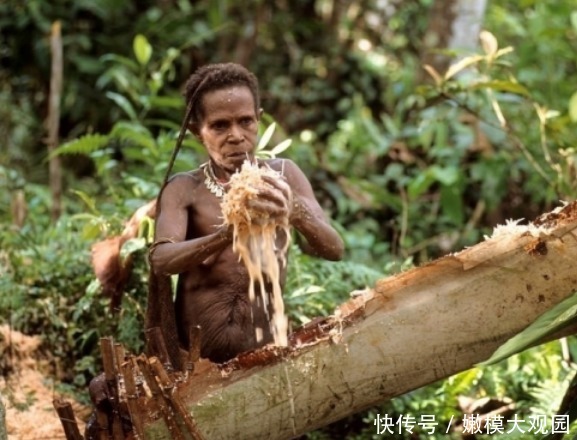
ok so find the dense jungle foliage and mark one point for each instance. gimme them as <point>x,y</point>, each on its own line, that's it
<point>409,165</point>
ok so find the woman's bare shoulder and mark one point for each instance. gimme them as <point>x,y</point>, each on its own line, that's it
<point>282,165</point>
<point>182,186</point>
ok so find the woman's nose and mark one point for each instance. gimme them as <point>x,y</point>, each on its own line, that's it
<point>235,134</point>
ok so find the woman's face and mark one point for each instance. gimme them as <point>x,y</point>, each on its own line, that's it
<point>229,127</point>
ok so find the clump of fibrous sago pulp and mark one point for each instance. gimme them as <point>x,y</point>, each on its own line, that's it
<point>254,239</point>
<point>542,226</point>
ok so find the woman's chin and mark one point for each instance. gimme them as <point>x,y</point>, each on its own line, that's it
<point>237,161</point>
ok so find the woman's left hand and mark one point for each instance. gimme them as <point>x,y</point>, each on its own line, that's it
<point>274,198</point>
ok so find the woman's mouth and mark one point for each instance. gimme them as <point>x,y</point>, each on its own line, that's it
<point>238,155</point>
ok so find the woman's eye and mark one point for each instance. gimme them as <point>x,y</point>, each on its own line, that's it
<point>219,126</point>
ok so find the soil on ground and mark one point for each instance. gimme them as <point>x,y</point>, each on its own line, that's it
<point>28,388</point>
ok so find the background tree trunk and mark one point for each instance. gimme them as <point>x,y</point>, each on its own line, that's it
<point>408,331</point>
<point>53,120</point>
<point>454,26</point>
<point>467,24</point>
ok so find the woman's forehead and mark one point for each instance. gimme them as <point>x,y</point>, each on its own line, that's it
<point>228,99</point>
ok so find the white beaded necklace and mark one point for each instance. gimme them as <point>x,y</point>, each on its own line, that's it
<point>210,180</point>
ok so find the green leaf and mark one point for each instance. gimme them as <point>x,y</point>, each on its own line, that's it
<point>420,184</point>
<point>278,149</point>
<point>502,86</point>
<point>560,316</point>
<point>574,20</point>
<point>118,59</point>
<point>551,114</point>
<point>265,138</point>
<point>164,123</point>
<point>142,49</point>
<point>568,406</point>
<point>504,51</point>
<point>137,134</point>
<point>573,107</point>
<point>434,74</point>
<point>489,43</point>
<point>461,65</point>
<point>307,290</point>
<point>146,229</point>
<point>91,231</point>
<point>123,103</point>
<point>463,382</point>
<point>83,145</point>
<point>131,246</point>
<point>446,175</point>
<point>167,101</point>
<point>89,201</point>
<point>452,203</point>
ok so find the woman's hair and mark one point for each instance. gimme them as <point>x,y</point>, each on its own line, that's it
<point>217,77</point>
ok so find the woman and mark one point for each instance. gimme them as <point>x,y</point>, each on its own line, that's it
<point>212,290</point>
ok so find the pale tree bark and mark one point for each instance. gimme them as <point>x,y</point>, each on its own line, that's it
<point>454,26</point>
<point>467,24</point>
<point>18,207</point>
<point>409,330</point>
<point>53,120</point>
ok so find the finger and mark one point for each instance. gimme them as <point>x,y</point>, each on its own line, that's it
<point>266,207</point>
<point>280,183</point>
<point>273,195</point>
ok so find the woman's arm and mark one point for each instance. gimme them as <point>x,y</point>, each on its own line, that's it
<point>171,253</point>
<point>309,219</point>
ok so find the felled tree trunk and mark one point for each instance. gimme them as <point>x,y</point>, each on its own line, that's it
<point>409,330</point>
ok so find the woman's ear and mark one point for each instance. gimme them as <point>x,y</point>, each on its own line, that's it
<point>259,113</point>
<point>193,128</point>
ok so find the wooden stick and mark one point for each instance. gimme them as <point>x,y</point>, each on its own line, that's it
<point>111,375</point>
<point>103,424</point>
<point>67,418</point>
<point>132,397</point>
<point>193,348</point>
<point>119,354</point>
<point>168,388</point>
<point>120,359</point>
<point>155,341</point>
<point>158,398</point>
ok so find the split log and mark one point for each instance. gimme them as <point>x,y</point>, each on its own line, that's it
<point>133,399</point>
<point>409,330</point>
<point>110,362</point>
<point>67,418</point>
